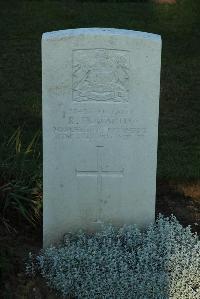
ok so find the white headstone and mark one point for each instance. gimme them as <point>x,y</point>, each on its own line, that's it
<point>100,124</point>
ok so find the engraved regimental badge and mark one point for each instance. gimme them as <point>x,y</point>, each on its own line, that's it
<point>100,75</point>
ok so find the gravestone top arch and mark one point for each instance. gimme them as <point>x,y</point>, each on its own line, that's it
<point>99,31</point>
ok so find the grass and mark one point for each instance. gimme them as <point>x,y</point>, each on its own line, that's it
<point>22,24</point>
<point>20,181</point>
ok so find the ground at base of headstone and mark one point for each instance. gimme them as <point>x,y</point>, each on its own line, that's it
<point>181,200</point>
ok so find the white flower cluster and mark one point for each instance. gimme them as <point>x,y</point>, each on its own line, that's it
<point>161,262</point>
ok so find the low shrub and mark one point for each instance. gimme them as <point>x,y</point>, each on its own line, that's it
<point>162,261</point>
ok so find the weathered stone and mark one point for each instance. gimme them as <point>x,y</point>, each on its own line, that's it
<point>100,123</point>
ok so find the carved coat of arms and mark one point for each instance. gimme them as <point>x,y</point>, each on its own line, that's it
<point>100,75</point>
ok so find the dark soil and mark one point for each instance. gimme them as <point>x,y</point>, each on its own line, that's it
<point>181,200</point>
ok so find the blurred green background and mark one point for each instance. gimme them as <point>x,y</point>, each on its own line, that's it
<point>21,26</point>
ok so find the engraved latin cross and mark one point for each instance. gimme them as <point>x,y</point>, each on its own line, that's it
<point>100,173</point>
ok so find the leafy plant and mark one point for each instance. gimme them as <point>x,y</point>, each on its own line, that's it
<point>20,179</point>
<point>162,261</point>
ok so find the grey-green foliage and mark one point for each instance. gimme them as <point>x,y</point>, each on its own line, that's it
<point>161,262</point>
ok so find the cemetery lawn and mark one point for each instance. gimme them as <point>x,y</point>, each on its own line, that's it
<point>21,26</point>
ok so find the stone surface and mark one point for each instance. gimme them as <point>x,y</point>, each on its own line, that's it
<point>100,124</point>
